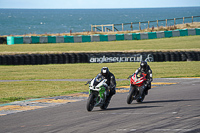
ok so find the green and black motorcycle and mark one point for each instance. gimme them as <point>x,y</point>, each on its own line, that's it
<point>98,92</point>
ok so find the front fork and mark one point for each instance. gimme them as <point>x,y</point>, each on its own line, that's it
<point>139,91</point>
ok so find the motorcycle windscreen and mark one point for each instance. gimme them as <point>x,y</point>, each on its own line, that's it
<point>98,79</point>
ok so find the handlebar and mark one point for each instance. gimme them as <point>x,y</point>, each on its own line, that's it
<point>88,82</point>
<point>129,76</point>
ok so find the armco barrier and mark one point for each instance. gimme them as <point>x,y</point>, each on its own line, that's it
<point>191,32</point>
<point>183,32</point>
<point>63,58</point>
<point>168,33</point>
<point>128,36</point>
<point>160,34</point>
<point>144,36</point>
<point>59,39</point>
<point>119,37</point>
<point>111,37</point>
<point>68,39</point>
<point>136,36</point>
<point>86,39</point>
<point>97,38</point>
<point>197,31</point>
<point>103,37</point>
<point>35,39</point>
<point>152,35</point>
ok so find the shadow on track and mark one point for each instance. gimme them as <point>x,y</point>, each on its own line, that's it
<point>125,108</point>
<point>170,101</point>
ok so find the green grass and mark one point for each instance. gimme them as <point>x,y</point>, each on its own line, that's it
<point>11,91</point>
<point>175,43</point>
<point>38,89</point>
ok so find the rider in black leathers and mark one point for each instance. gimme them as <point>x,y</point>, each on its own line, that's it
<point>111,82</point>
<point>145,68</point>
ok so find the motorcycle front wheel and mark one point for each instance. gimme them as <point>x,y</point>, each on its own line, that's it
<point>90,102</point>
<point>130,96</point>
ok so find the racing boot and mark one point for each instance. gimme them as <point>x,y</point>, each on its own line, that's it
<point>146,92</point>
<point>112,92</point>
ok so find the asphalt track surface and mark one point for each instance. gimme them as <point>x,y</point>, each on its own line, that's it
<point>167,108</point>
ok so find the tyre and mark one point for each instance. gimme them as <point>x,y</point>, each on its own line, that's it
<point>20,60</point>
<point>198,56</point>
<point>90,102</point>
<point>172,56</point>
<point>65,58</point>
<point>14,60</point>
<point>1,60</point>
<point>161,57</point>
<point>54,59</point>
<point>140,97</point>
<point>155,56</point>
<point>60,58</point>
<point>189,56</point>
<point>27,59</point>
<point>178,56</point>
<point>78,58</point>
<point>130,96</point>
<point>105,105</point>
<point>139,100</point>
<point>183,56</point>
<point>32,59</point>
<point>48,58</point>
<point>167,56</point>
<point>72,58</point>
<point>9,59</point>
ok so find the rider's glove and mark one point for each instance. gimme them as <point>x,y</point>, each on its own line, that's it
<point>148,82</point>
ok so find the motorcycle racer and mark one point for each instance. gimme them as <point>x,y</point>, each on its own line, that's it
<point>145,68</point>
<point>110,81</point>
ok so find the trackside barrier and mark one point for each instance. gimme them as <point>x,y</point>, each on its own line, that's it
<point>168,33</point>
<point>197,31</point>
<point>64,58</point>
<point>103,37</point>
<point>97,38</point>
<point>3,40</point>
<point>68,39</point>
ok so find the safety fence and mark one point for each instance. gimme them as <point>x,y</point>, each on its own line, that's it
<point>98,37</point>
<point>65,58</point>
<point>144,24</point>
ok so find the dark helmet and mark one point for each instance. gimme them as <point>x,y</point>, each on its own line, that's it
<point>143,65</point>
<point>105,71</point>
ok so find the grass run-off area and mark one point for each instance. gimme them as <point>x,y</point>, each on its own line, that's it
<point>164,44</point>
<point>19,90</point>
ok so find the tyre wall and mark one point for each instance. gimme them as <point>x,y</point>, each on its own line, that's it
<point>97,38</point>
<point>65,58</point>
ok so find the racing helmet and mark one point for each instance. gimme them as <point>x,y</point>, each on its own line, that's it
<point>105,71</point>
<point>143,65</point>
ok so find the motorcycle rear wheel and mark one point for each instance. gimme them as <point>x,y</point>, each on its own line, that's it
<point>130,97</point>
<point>105,105</point>
<point>90,102</point>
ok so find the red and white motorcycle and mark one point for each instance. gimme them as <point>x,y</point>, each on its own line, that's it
<point>137,87</point>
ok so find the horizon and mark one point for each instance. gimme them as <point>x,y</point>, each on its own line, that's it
<point>95,4</point>
<point>105,8</point>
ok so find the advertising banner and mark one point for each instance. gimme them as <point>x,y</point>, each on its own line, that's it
<point>105,58</point>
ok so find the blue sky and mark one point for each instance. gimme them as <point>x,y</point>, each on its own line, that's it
<point>93,4</point>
